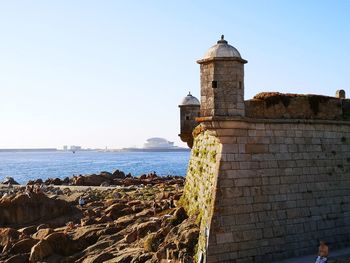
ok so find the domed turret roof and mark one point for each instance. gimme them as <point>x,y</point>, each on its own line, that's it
<point>190,100</point>
<point>222,50</point>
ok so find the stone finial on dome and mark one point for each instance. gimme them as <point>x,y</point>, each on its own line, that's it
<point>222,40</point>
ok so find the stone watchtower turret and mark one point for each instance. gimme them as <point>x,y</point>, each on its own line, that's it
<point>189,111</point>
<point>222,81</point>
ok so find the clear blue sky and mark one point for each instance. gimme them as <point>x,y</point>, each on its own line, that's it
<point>112,73</point>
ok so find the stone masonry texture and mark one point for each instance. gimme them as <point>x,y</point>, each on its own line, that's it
<point>274,189</point>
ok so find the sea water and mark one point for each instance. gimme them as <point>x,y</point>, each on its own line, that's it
<point>24,166</point>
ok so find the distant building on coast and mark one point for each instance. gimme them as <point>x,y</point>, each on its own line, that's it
<point>75,148</point>
<point>156,144</point>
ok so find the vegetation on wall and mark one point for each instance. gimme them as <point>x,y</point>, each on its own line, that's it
<point>200,182</point>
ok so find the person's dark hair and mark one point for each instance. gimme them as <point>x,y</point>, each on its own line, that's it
<point>322,242</point>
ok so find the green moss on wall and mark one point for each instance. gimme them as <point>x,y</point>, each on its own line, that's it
<point>201,181</point>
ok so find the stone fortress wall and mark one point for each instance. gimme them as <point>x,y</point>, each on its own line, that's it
<point>280,179</point>
<point>281,187</point>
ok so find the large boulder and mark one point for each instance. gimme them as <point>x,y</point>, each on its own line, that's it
<point>61,244</point>
<point>119,174</point>
<point>8,235</point>
<point>188,240</point>
<point>89,180</point>
<point>54,181</point>
<point>25,209</point>
<point>107,175</point>
<point>29,230</point>
<point>116,210</point>
<point>42,233</point>
<point>40,251</point>
<point>179,216</point>
<point>23,246</point>
<point>148,227</point>
<point>33,182</point>
<point>9,180</point>
<point>131,237</point>
<point>20,258</point>
<point>102,257</point>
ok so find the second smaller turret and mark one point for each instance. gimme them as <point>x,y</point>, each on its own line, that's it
<point>189,111</point>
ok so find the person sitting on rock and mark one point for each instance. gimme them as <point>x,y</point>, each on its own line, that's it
<point>81,201</point>
<point>322,253</point>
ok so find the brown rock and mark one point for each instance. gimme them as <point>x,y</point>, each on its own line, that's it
<point>145,213</point>
<point>42,226</point>
<point>124,221</point>
<point>9,180</point>
<point>42,233</point>
<point>61,244</point>
<point>89,212</point>
<point>179,216</point>
<point>103,219</point>
<point>148,227</point>
<point>144,257</point>
<point>56,181</point>
<point>8,235</point>
<point>21,258</point>
<point>131,237</point>
<point>150,243</point>
<point>107,175</point>
<point>23,246</point>
<point>89,180</point>
<point>87,221</point>
<point>99,246</point>
<point>134,202</point>
<point>40,251</point>
<point>22,209</point>
<point>119,174</point>
<point>188,239</point>
<point>30,230</point>
<point>138,208</point>
<point>116,210</point>
<point>124,259</point>
<point>98,258</point>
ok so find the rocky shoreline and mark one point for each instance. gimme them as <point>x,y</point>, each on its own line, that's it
<point>133,220</point>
